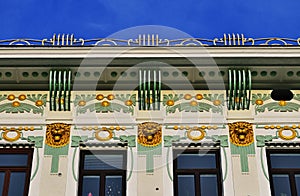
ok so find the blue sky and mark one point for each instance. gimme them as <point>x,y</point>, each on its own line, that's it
<point>100,18</point>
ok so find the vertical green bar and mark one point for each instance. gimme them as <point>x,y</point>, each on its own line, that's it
<point>69,90</point>
<point>230,94</point>
<point>54,90</point>
<point>153,91</point>
<point>234,88</point>
<point>159,89</point>
<point>140,90</point>
<point>149,90</point>
<point>239,90</point>
<point>64,89</point>
<point>249,87</point>
<point>59,92</point>
<point>144,90</point>
<point>50,89</point>
<point>244,90</point>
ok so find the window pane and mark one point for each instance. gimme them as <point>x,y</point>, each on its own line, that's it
<point>196,161</point>
<point>285,160</point>
<point>113,185</point>
<point>2,176</point>
<point>103,162</point>
<point>186,185</point>
<point>208,185</point>
<point>13,160</point>
<point>17,183</point>
<point>297,178</point>
<point>90,185</point>
<point>281,185</point>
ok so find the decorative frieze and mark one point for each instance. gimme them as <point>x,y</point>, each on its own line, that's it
<point>193,103</point>
<point>105,103</point>
<point>13,103</point>
<point>264,102</point>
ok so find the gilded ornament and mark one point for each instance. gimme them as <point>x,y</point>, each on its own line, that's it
<point>11,97</point>
<point>217,102</point>
<point>282,103</point>
<point>82,103</point>
<point>149,134</point>
<point>149,100</point>
<point>193,103</point>
<point>175,127</point>
<point>39,103</point>
<point>58,134</point>
<point>237,100</point>
<point>187,96</point>
<point>22,97</point>
<point>287,137</point>
<point>199,96</point>
<point>105,103</point>
<point>198,137</point>
<point>128,103</point>
<point>118,128</point>
<point>15,104</point>
<point>106,138</point>
<point>99,97</point>
<point>241,133</point>
<point>11,139</point>
<point>259,102</point>
<point>170,102</point>
<point>110,97</point>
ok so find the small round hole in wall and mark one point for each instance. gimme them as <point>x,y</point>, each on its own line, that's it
<point>282,94</point>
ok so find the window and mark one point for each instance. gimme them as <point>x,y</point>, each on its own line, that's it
<point>15,168</point>
<point>102,173</point>
<point>197,173</point>
<point>284,171</point>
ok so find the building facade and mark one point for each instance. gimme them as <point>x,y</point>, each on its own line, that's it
<point>150,116</point>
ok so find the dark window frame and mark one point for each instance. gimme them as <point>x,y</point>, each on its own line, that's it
<point>197,172</point>
<point>8,169</point>
<point>291,172</point>
<point>102,173</point>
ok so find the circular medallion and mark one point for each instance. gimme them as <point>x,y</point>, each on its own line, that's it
<point>103,135</point>
<point>196,134</point>
<point>6,135</point>
<point>287,133</point>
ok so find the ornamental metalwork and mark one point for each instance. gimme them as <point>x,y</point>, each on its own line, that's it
<point>241,133</point>
<point>239,89</point>
<point>149,89</point>
<point>229,39</point>
<point>149,134</point>
<point>60,90</point>
<point>58,134</point>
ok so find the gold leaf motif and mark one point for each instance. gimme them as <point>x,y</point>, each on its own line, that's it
<point>241,133</point>
<point>58,134</point>
<point>149,134</point>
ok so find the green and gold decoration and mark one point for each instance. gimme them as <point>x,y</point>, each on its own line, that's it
<point>21,103</point>
<point>149,142</point>
<point>57,143</point>
<point>264,102</point>
<point>242,142</point>
<point>105,103</point>
<point>193,103</point>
